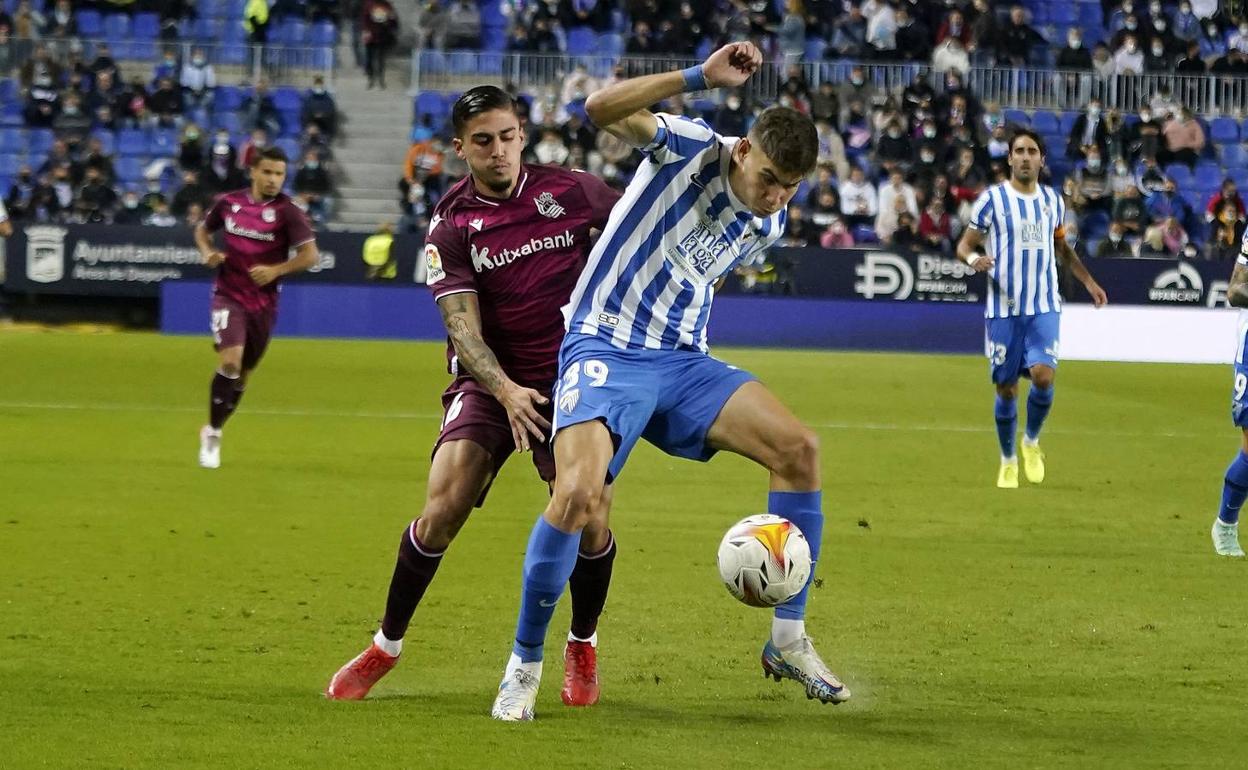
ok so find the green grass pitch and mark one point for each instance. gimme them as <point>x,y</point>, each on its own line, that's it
<point>153,614</point>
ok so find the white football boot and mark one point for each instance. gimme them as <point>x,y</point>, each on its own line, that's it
<point>517,694</point>
<point>209,447</point>
<point>1226,539</point>
<point>799,662</point>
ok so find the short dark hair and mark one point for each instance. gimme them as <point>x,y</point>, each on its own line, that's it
<point>787,137</point>
<point>477,100</point>
<point>269,153</point>
<point>1020,132</point>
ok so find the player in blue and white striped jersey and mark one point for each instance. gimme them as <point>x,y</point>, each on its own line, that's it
<point>634,363</point>
<point>1235,482</point>
<point>1022,223</point>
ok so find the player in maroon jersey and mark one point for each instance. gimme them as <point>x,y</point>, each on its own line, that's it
<point>261,226</point>
<point>505,247</point>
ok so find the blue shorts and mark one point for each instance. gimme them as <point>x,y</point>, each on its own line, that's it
<point>1014,345</point>
<point>669,397</point>
<point>1239,396</point>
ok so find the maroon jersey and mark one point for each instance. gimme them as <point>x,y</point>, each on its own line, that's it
<point>256,233</point>
<point>522,257</point>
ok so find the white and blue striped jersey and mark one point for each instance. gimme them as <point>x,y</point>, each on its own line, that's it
<point>1241,346</point>
<point>679,227</point>
<point>1021,230</point>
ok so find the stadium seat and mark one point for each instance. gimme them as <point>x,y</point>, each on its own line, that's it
<point>290,147</point>
<point>581,41</point>
<point>1233,155</point>
<point>1208,173</point>
<point>1017,117</point>
<point>11,114</point>
<point>206,30</point>
<point>433,61</point>
<point>815,46</point>
<point>117,27</point>
<point>129,170</point>
<point>229,121</point>
<point>430,103</point>
<point>323,33</point>
<point>611,44</point>
<point>1064,13</point>
<point>228,98</point>
<point>1224,130</point>
<point>39,140</point>
<point>286,98</point>
<point>146,26</point>
<point>12,141</point>
<point>1197,199</point>
<point>164,141</point>
<point>493,39</point>
<point>1240,175</point>
<point>10,164</point>
<point>1045,122</point>
<point>131,141</point>
<point>864,234</point>
<point>232,53</point>
<point>90,23</point>
<point>1180,174</point>
<point>8,90</point>
<point>108,140</point>
<point>1067,121</point>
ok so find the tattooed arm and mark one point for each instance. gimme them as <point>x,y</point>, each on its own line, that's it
<point>462,316</point>
<point>1080,271</point>
<point>1237,292</point>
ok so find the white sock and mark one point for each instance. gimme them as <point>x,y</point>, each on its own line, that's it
<point>514,662</point>
<point>785,631</point>
<point>1005,459</point>
<point>1030,441</point>
<point>593,639</point>
<point>391,647</point>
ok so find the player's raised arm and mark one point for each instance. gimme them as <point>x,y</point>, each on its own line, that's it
<point>461,314</point>
<point>1080,271</point>
<point>623,108</point>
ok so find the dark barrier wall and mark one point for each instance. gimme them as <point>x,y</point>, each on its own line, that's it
<point>132,261</point>
<point>391,312</point>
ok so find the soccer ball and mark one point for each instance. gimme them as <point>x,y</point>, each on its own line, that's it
<point>764,560</point>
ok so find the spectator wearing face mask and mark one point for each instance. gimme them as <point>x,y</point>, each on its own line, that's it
<point>1088,130</point>
<point>319,108</point>
<point>1129,59</point>
<point>1017,38</point>
<point>1227,233</point>
<point>1239,38</point>
<point>730,118</point>
<point>1115,244</point>
<point>1184,137</point>
<point>1157,59</point>
<point>1074,56</point>
<point>859,202</point>
<point>1212,42</point>
<point>1186,27</point>
<point>198,81</point>
<point>129,213</point>
<point>1144,138</point>
<point>1228,193</point>
<point>1092,186</point>
<point>895,196</point>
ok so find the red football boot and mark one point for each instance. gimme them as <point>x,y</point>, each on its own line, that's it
<point>580,674</point>
<point>354,680</point>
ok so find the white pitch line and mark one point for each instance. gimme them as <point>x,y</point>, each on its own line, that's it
<point>363,415</point>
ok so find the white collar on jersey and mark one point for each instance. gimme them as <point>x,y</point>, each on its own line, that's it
<point>524,178</point>
<point>726,146</point>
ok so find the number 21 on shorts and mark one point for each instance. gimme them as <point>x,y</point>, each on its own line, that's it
<point>220,320</point>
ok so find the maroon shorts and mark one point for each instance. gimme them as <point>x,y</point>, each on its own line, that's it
<point>232,327</point>
<point>471,412</point>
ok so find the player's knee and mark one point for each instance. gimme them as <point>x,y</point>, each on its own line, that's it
<point>799,456</point>
<point>575,502</point>
<point>1008,392</point>
<point>1042,377</point>
<point>231,369</point>
<point>442,518</point>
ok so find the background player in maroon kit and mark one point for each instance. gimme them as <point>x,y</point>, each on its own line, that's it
<point>261,226</point>
<point>504,249</point>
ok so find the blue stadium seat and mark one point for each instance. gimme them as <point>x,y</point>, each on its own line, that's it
<point>108,140</point>
<point>433,61</point>
<point>1045,122</point>
<point>1224,130</point>
<point>286,98</point>
<point>117,26</point>
<point>430,103</point>
<point>206,30</point>
<point>581,41</point>
<point>1064,13</point>
<point>229,121</point>
<point>129,169</point>
<point>8,90</point>
<point>1207,170</point>
<point>1017,116</point>
<point>39,140</point>
<point>143,50</point>
<point>164,141</point>
<point>323,33</point>
<point>1181,174</point>
<point>11,114</point>
<point>864,234</point>
<point>233,32</point>
<point>1197,199</point>
<point>228,98</point>
<point>1067,122</point>
<point>10,164</point>
<point>493,39</point>
<point>321,57</point>
<point>1233,155</point>
<point>611,44</point>
<point>1240,175</point>
<point>211,9</point>
<point>232,53</point>
<point>131,141</point>
<point>815,46</point>
<point>1089,16</point>
<point>146,26</point>
<point>90,23</point>
<point>290,147</point>
<point>12,140</point>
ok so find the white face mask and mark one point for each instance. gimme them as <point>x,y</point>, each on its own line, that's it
<point>927,157</point>
<point>1074,42</point>
<point>1115,237</point>
<point>1094,163</point>
<point>1130,47</point>
<point>930,133</point>
<point>1158,50</point>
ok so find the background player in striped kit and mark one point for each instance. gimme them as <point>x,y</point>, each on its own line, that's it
<point>1022,223</point>
<point>1235,483</point>
<point>635,363</point>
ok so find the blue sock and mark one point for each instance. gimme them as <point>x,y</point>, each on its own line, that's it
<point>805,509</point>
<point>1039,401</point>
<point>1006,412</point>
<point>548,563</point>
<point>1234,489</point>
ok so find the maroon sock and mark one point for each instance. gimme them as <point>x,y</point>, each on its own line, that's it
<point>588,585</point>
<point>224,399</point>
<point>413,571</point>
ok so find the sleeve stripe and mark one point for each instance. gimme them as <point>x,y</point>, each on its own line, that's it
<point>300,243</point>
<point>437,297</point>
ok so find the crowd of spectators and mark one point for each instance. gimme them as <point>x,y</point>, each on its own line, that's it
<point>83,103</point>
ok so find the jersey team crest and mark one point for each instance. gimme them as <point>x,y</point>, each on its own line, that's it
<point>268,215</point>
<point>547,206</point>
